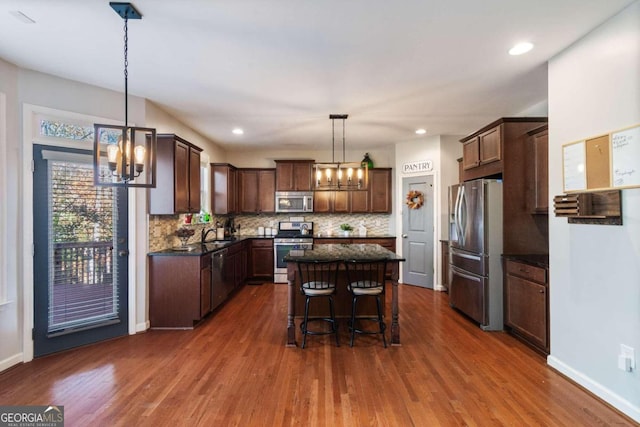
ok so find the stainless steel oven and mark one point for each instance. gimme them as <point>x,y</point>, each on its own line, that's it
<point>291,237</point>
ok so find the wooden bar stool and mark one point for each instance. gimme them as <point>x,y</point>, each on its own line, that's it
<point>366,279</point>
<point>318,280</point>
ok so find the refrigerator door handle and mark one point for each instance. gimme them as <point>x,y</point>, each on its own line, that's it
<point>467,256</point>
<point>456,214</point>
<point>466,276</point>
<point>461,221</point>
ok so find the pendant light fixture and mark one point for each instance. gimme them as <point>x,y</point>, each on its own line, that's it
<point>339,175</point>
<point>124,156</point>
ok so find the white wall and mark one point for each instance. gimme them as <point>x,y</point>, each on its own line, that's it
<point>594,88</point>
<point>11,309</point>
<point>443,152</point>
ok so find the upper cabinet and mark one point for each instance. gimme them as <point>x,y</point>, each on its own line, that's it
<point>224,188</point>
<point>257,190</point>
<point>379,188</point>
<point>376,199</point>
<point>538,176</point>
<point>294,175</point>
<point>483,152</point>
<point>178,177</point>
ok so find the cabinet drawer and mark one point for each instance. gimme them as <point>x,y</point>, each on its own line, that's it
<point>529,272</point>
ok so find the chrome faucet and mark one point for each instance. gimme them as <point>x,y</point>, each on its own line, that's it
<point>204,233</point>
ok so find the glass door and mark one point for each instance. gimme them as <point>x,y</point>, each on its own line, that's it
<point>80,253</point>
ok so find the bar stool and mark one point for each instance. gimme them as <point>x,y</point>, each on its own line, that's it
<point>318,280</point>
<point>366,279</point>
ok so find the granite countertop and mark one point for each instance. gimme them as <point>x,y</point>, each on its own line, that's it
<point>540,260</point>
<point>198,248</point>
<point>343,252</point>
<point>355,236</point>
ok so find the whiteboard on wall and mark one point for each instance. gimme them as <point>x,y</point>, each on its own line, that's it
<point>574,166</point>
<point>625,157</point>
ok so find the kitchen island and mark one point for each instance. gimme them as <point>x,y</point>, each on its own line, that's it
<point>340,252</point>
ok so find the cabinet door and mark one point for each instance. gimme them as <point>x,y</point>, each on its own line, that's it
<point>490,147</point>
<point>540,199</point>
<point>205,285</point>
<point>341,202</point>
<point>302,176</point>
<point>261,258</point>
<point>380,190</point>
<point>359,201</point>
<point>267,190</point>
<point>284,176</point>
<point>194,180</point>
<point>470,154</point>
<point>323,201</point>
<point>181,184</point>
<point>248,183</point>
<point>526,309</point>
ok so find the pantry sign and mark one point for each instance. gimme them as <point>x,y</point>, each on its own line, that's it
<point>416,167</point>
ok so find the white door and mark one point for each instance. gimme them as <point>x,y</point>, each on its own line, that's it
<point>417,231</point>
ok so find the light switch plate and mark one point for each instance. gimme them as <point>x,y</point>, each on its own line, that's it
<point>627,352</point>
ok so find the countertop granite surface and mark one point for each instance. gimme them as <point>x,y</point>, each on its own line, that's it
<point>355,236</point>
<point>541,260</point>
<point>343,252</point>
<point>198,249</point>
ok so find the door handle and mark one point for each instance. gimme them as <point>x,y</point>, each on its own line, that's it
<point>123,252</point>
<point>404,236</point>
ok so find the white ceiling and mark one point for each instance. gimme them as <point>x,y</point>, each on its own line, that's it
<point>278,68</point>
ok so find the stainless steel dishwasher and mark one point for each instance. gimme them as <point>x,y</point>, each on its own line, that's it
<point>219,288</point>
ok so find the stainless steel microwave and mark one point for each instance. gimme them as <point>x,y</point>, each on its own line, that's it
<point>294,201</point>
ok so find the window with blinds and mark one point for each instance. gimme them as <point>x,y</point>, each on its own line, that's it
<point>82,284</point>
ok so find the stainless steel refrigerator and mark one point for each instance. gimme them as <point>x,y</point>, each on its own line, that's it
<point>475,241</point>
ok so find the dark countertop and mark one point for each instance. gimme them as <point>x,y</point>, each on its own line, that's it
<point>343,252</point>
<point>540,260</point>
<point>198,249</point>
<point>356,236</point>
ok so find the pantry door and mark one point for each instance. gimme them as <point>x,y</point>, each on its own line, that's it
<point>80,253</point>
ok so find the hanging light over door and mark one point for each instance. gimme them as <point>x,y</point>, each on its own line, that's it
<point>124,156</point>
<point>339,175</point>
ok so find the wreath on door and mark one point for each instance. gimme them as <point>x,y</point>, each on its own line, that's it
<point>415,199</point>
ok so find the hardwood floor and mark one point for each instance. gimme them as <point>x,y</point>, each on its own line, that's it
<point>234,369</point>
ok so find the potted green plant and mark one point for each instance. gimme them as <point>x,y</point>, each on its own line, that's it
<point>346,229</point>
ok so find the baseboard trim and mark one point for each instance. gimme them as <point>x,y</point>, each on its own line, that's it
<point>142,327</point>
<point>10,361</point>
<point>596,388</point>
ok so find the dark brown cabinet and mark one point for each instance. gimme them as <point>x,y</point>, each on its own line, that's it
<point>179,290</point>
<point>256,190</point>
<point>177,177</point>
<point>527,303</point>
<point>485,151</point>
<point>379,188</point>
<point>359,201</point>
<point>294,175</point>
<point>538,177</point>
<point>224,186</point>
<point>261,259</point>
<point>331,202</point>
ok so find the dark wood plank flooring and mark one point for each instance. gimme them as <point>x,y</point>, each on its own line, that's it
<point>234,370</point>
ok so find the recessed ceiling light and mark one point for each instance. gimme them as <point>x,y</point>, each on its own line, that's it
<point>237,131</point>
<point>421,131</point>
<point>22,17</point>
<point>521,48</point>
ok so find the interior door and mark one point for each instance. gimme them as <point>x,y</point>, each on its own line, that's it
<point>80,253</point>
<point>417,234</point>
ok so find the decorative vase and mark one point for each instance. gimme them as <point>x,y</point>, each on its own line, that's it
<point>346,233</point>
<point>367,161</point>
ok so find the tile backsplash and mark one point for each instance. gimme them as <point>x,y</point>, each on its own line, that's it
<point>162,227</point>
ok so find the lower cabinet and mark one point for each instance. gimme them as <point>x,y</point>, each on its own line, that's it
<point>526,291</point>
<point>444,263</point>
<point>261,259</point>
<point>179,290</point>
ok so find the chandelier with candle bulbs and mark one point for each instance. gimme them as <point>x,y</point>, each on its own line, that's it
<point>338,175</point>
